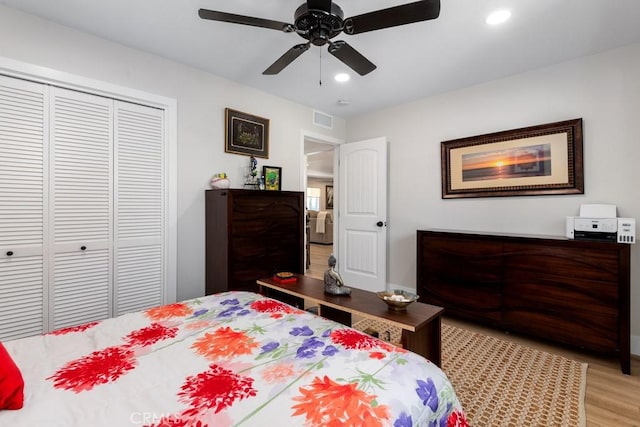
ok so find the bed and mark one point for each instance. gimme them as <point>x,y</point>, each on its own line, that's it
<point>235,358</point>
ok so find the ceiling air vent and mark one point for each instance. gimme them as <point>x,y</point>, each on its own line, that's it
<point>321,119</point>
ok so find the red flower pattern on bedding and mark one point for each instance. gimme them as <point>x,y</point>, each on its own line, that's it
<point>272,306</point>
<point>353,339</point>
<point>377,355</point>
<point>280,373</point>
<point>457,419</point>
<point>150,335</point>
<point>327,403</point>
<point>174,421</point>
<point>200,324</point>
<point>224,343</point>
<point>304,370</point>
<point>168,311</point>
<point>80,328</point>
<point>100,367</point>
<point>214,389</point>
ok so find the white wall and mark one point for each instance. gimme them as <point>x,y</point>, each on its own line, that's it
<point>201,99</point>
<point>603,89</point>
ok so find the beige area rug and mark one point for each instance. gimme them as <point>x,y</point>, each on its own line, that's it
<point>500,383</point>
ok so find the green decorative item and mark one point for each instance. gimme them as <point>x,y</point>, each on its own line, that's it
<point>272,177</point>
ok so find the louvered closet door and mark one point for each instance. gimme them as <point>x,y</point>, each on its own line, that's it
<point>23,134</point>
<point>139,207</point>
<point>81,206</point>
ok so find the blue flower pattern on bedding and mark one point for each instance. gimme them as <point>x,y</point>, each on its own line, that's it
<point>246,358</point>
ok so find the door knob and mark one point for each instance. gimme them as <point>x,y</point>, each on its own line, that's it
<point>379,223</point>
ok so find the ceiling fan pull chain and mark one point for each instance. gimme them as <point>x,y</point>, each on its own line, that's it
<point>320,50</point>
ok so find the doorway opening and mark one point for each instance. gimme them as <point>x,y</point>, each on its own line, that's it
<point>320,203</point>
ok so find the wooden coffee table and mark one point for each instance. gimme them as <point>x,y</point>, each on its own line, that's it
<point>420,323</point>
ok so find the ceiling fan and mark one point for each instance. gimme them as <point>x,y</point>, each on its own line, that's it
<point>319,21</point>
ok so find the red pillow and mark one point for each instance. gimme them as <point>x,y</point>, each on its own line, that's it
<point>11,382</point>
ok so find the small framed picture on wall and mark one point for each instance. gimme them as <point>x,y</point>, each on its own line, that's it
<point>246,134</point>
<point>329,197</point>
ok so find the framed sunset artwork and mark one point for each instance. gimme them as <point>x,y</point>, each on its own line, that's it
<point>537,160</point>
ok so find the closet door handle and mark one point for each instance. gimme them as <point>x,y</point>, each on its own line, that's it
<point>9,253</point>
<point>83,248</point>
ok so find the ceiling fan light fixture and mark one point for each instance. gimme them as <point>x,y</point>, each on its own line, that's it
<point>342,77</point>
<point>498,17</point>
<point>319,21</point>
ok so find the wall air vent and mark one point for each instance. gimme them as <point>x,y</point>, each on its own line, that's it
<point>323,120</point>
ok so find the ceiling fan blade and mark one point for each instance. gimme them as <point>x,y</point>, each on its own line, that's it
<point>319,4</point>
<point>286,59</point>
<point>351,57</point>
<point>246,20</point>
<point>393,16</point>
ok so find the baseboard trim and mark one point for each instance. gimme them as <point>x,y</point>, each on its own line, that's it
<point>391,287</point>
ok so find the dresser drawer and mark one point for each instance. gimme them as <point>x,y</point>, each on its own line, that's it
<point>462,275</point>
<point>585,330</point>
<point>582,263</point>
<point>573,292</point>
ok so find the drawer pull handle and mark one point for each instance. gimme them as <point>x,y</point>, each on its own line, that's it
<point>9,253</point>
<point>83,248</point>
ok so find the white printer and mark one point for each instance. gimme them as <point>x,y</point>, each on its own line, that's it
<point>599,222</point>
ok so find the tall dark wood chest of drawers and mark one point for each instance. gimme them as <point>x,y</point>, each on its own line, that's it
<point>251,234</point>
<point>573,292</point>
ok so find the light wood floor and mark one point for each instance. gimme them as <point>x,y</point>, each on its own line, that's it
<point>612,399</point>
<point>319,256</point>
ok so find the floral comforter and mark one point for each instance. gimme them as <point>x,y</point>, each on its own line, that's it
<point>235,358</point>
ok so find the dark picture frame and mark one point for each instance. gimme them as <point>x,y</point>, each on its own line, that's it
<point>329,196</point>
<point>246,134</point>
<point>537,160</point>
<point>272,178</point>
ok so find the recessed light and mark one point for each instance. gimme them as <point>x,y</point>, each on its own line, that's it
<point>342,77</point>
<point>498,17</point>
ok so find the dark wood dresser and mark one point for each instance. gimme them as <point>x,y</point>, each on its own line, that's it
<point>574,292</point>
<point>251,234</point>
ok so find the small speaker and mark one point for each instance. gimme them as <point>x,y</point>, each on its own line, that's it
<point>323,120</point>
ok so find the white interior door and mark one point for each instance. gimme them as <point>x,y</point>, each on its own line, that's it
<point>362,210</point>
<point>23,199</point>
<point>139,207</point>
<point>87,205</point>
<point>81,207</point>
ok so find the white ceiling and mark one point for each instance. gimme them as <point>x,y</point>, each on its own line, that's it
<point>414,61</point>
<point>319,159</point>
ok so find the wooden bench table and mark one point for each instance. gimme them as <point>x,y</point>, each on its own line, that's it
<point>420,323</point>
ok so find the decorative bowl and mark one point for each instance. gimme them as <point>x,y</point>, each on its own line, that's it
<point>219,182</point>
<point>397,300</point>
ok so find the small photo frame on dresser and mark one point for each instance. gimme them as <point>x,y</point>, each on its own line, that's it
<point>272,178</point>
